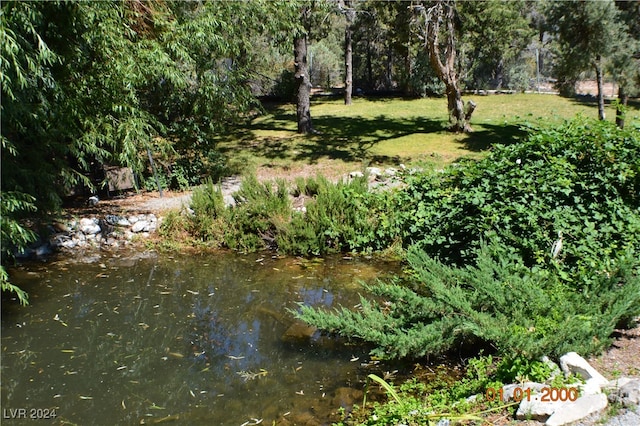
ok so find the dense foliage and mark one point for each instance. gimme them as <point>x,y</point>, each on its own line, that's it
<point>482,233</point>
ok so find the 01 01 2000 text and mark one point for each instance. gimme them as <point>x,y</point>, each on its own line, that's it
<point>547,394</point>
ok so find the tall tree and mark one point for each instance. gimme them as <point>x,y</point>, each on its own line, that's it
<point>625,61</point>
<point>349,13</point>
<point>587,32</point>
<point>303,81</point>
<point>437,22</point>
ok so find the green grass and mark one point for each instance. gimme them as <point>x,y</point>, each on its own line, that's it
<point>392,131</point>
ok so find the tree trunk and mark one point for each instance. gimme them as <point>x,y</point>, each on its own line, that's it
<point>623,99</point>
<point>444,11</point>
<point>348,54</point>
<point>303,109</point>
<point>599,78</point>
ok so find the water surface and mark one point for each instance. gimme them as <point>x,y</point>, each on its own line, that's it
<point>187,339</point>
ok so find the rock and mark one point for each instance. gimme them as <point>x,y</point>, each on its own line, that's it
<point>140,226</point>
<point>509,390</point>
<point>299,332</point>
<point>92,201</point>
<point>133,219</point>
<point>628,393</point>
<point>356,174</point>
<point>228,199</point>
<point>117,220</point>
<point>374,172</point>
<point>574,363</point>
<point>390,171</point>
<point>583,407</point>
<point>535,409</point>
<point>89,226</point>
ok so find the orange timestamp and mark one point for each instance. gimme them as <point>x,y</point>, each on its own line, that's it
<point>547,394</point>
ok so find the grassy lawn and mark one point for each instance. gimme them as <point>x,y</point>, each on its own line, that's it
<point>387,132</point>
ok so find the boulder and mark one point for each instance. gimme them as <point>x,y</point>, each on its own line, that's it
<point>535,409</point>
<point>627,393</point>
<point>140,226</point>
<point>299,332</point>
<point>89,226</point>
<point>374,172</point>
<point>579,409</point>
<point>574,363</point>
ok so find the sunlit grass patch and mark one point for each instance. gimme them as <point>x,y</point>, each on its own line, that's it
<point>389,131</point>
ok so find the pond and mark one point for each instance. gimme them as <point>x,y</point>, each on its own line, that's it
<point>200,339</point>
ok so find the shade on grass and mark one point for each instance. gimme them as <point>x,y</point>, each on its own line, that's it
<point>389,131</point>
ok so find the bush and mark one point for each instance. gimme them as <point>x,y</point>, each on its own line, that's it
<point>494,303</point>
<point>582,179</point>
<point>344,216</point>
<point>209,214</point>
<point>261,210</point>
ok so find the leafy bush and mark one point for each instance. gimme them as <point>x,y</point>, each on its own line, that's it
<point>260,211</point>
<point>209,214</point>
<point>581,178</point>
<point>344,216</point>
<point>496,302</point>
<point>14,236</point>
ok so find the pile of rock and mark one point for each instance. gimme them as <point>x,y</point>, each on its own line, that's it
<point>570,404</point>
<point>111,230</point>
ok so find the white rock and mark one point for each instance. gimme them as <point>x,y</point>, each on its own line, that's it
<point>140,226</point>
<point>229,201</point>
<point>629,393</point>
<point>356,174</point>
<point>536,409</point>
<point>89,226</point>
<point>591,387</point>
<point>574,363</point>
<point>390,171</point>
<point>133,219</point>
<point>374,172</point>
<point>579,409</point>
<point>123,222</point>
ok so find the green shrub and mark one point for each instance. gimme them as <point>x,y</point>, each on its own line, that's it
<point>342,217</point>
<point>581,178</point>
<point>260,211</point>
<point>13,235</point>
<point>209,214</point>
<point>497,303</point>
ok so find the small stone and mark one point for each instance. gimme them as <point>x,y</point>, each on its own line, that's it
<point>356,174</point>
<point>579,409</point>
<point>535,409</point>
<point>373,172</point>
<point>574,363</point>
<point>140,226</point>
<point>629,393</point>
<point>89,226</point>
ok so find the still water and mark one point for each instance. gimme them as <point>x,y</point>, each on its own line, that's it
<point>183,340</point>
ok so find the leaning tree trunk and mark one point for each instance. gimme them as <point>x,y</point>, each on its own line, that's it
<point>599,78</point>
<point>443,11</point>
<point>623,100</point>
<point>303,110</point>
<point>348,54</point>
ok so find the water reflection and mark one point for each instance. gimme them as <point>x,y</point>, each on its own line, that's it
<point>192,339</point>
